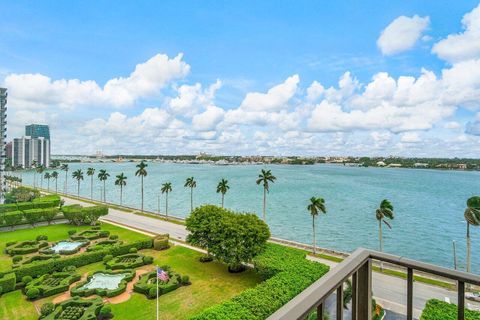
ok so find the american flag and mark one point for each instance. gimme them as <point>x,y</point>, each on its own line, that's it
<point>162,275</point>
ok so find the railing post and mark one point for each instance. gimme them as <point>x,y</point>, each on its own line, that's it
<point>461,300</point>
<point>409,294</point>
<point>320,311</point>
<point>364,291</point>
<point>340,302</point>
<point>354,296</point>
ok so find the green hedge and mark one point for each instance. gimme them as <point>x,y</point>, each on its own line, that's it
<point>127,261</point>
<point>145,284</point>
<point>71,308</point>
<point>25,247</point>
<point>79,215</point>
<point>41,268</point>
<point>287,273</point>
<point>78,290</point>
<point>29,216</point>
<point>51,284</point>
<point>8,282</point>
<point>8,207</point>
<point>439,310</point>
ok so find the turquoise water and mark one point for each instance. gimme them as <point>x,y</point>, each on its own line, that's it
<point>104,281</point>
<point>429,204</point>
<point>66,246</point>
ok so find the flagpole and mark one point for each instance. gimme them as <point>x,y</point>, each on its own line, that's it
<point>157,290</point>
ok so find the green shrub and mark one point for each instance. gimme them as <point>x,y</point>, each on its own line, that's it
<point>69,269</point>
<point>27,279</point>
<point>160,242</point>
<point>147,260</point>
<point>70,232</point>
<point>152,293</point>
<point>51,284</point>
<point>81,291</point>
<point>33,293</point>
<point>8,282</point>
<point>42,237</point>
<point>185,280</point>
<point>127,261</point>
<point>107,258</point>
<point>439,310</point>
<point>96,228</point>
<point>16,259</point>
<point>12,218</point>
<point>113,237</point>
<point>133,250</point>
<point>47,308</point>
<point>25,206</point>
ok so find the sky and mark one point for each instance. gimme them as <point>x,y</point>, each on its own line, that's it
<point>313,78</point>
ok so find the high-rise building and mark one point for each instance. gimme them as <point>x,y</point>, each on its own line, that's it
<point>37,131</point>
<point>27,151</point>
<point>3,137</point>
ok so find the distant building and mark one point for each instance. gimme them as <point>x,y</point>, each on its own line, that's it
<point>27,150</point>
<point>381,164</point>
<point>420,165</point>
<point>462,166</point>
<point>37,131</point>
<point>394,165</point>
<point>8,150</point>
<point>3,137</point>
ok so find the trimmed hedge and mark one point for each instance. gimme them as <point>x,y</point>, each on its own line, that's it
<point>439,310</point>
<point>50,250</point>
<point>78,290</point>
<point>104,244</point>
<point>287,273</point>
<point>25,247</point>
<point>90,234</point>
<point>128,261</point>
<point>79,215</point>
<point>8,282</point>
<point>41,268</point>
<point>51,284</point>
<point>76,309</point>
<point>147,284</point>
<point>160,242</point>
<point>29,216</point>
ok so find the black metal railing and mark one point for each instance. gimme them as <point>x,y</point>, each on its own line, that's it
<point>358,267</point>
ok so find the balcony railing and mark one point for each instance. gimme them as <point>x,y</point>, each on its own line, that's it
<point>358,266</point>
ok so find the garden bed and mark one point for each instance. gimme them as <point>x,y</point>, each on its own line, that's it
<point>106,283</point>
<point>147,284</point>
<point>65,247</point>
<point>35,259</point>
<point>76,309</point>
<point>50,284</point>
<point>25,247</point>
<point>89,234</point>
<point>104,244</point>
<point>128,261</point>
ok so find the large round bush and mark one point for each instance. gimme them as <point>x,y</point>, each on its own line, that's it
<point>33,293</point>
<point>47,308</point>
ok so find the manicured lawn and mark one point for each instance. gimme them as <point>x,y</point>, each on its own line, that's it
<point>56,233</point>
<point>211,284</point>
<point>14,306</point>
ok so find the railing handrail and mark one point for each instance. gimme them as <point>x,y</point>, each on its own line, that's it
<point>300,306</point>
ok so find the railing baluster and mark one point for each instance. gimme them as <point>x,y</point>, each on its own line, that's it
<point>354,296</point>
<point>409,294</point>
<point>461,300</point>
<point>340,302</point>
<point>320,311</point>
<point>364,291</point>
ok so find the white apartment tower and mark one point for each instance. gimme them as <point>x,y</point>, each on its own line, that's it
<point>3,138</point>
<point>27,151</point>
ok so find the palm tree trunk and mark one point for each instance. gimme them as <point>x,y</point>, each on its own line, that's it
<point>468,247</point>
<point>91,187</point>
<point>48,185</point>
<point>223,195</point>
<point>121,192</point>
<point>104,192</point>
<point>66,177</point>
<point>158,203</point>
<point>380,240</point>
<point>34,180</point>
<point>191,199</point>
<point>78,189</point>
<point>142,193</point>
<point>314,240</point>
<point>166,204</point>
<point>264,203</point>
<point>56,185</point>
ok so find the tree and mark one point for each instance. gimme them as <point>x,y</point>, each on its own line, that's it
<point>141,172</point>
<point>34,166</point>
<point>222,188</point>
<point>78,175</point>
<point>49,214</point>
<point>48,176</point>
<point>91,173</point>
<point>472,216</point>
<point>166,188</point>
<point>264,178</point>
<point>103,176</point>
<point>55,177</point>
<point>316,206</point>
<point>191,183</point>
<point>385,211</point>
<point>122,182</point>
<point>64,167</point>
<point>233,238</point>
<point>40,170</point>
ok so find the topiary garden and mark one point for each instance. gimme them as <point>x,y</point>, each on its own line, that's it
<point>49,284</point>
<point>128,261</point>
<point>147,284</point>
<point>104,283</point>
<point>77,309</point>
<point>25,247</point>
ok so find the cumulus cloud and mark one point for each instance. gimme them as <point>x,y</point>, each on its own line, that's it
<point>410,137</point>
<point>192,98</point>
<point>402,34</point>
<point>473,127</point>
<point>209,119</point>
<point>464,45</point>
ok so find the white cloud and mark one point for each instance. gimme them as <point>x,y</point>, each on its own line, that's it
<point>209,119</point>
<point>462,46</point>
<point>410,137</point>
<point>402,34</point>
<point>192,98</point>
<point>315,91</point>
<point>452,125</point>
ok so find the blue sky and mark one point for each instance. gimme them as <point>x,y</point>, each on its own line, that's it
<point>233,54</point>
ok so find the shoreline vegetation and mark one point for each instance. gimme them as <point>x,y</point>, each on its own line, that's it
<point>464,164</point>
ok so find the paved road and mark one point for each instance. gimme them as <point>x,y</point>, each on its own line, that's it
<point>389,291</point>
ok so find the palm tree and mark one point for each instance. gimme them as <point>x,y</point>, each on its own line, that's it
<point>103,176</point>
<point>40,170</point>
<point>48,176</point>
<point>34,166</point>
<point>122,182</point>
<point>166,188</point>
<point>222,188</point>
<point>64,167</point>
<point>55,176</point>
<point>264,178</point>
<point>191,183</point>
<point>316,206</point>
<point>91,173</point>
<point>142,172</point>
<point>472,216</point>
<point>78,175</point>
<point>385,211</point>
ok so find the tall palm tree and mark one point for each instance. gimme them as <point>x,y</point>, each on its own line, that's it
<point>91,173</point>
<point>103,176</point>
<point>316,206</point>
<point>64,167</point>
<point>40,170</point>
<point>385,211</point>
<point>472,216</point>
<point>166,188</point>
<point>191,183</point>
<point>141,172</point>
<point>264,178</point>
<point>48,176</point>
<point>78,175</point>
<point>55,176</point>
<point>34,166</point>
<point>122,182</point>
<point>222,188</point>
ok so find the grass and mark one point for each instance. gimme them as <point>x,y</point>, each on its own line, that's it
<point>211,284</point>
<point>55,233</point>
<point>14,306</point>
